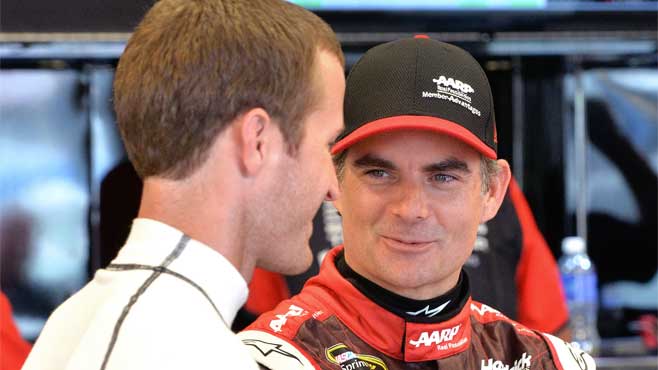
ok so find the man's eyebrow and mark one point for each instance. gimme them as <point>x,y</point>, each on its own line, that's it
<point>450,164</point>
<point>370,160</point>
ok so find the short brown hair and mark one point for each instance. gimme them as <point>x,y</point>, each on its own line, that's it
<point>192,66</point>
<point>489,168</point>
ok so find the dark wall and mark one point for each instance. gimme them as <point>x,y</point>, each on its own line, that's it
<point>72,15</point>
<point>123,16</point>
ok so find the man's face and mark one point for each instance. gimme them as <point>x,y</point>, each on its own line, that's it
<point>411,203</point>
<point>307,177</point>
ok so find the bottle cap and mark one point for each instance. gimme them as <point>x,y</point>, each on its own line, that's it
<point>573,245</point>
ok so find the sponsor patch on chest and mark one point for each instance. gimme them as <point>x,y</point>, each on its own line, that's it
<point>431,342</point>
<point>340,354</point>
<point>435,337</point>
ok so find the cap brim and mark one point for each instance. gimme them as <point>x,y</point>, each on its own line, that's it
<point>410,122</point>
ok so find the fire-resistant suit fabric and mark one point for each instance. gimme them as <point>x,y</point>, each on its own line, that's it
<point>332,325</point>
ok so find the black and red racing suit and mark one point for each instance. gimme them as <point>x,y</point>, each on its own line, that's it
<point>332,325</point>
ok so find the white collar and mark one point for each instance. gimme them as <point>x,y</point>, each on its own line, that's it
<point>150,242</point>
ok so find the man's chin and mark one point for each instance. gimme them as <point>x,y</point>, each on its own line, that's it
<point>297,269</point>
<point>294,261</point>
<point>301,262</point>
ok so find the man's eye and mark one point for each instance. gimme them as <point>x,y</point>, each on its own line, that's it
<point>377,173</point>
<point>443,178</point>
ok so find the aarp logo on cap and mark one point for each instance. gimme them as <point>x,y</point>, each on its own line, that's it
<point>454,91</point>
<point>450,82</point>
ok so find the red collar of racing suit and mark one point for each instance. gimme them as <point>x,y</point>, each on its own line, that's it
<point>385,331</point>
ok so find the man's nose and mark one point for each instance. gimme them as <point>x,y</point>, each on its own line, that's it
<point>411,204</point>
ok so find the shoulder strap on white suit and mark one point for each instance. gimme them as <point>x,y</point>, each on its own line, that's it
<point>568,357</point>
<point>273,352</point>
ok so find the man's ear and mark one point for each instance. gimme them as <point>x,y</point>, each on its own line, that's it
<point>498,183</point>
<point>251,130</point>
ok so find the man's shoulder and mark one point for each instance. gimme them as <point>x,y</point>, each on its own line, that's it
<point>284,321</point>
<point>271,338</point>
<point>289,315</point>
<point>541,346</point>
<point>485,315</point>
<point>567,355</point>
<point>275,352</point>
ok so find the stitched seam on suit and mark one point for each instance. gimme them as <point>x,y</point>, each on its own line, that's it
<point>133,299</point>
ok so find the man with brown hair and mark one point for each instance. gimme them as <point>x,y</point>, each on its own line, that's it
<point>227,110</point>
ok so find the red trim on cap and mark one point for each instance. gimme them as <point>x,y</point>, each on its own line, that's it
<point>421,37</point>
<point>410,122</point>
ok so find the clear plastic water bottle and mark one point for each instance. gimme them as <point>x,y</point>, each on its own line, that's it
<point>580,285</point>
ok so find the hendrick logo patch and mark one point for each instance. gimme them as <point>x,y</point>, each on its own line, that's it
<point>339,354</point>
<point>521,364</point>
<point>281,320</point>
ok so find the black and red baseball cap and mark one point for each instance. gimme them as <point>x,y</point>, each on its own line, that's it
<point>423,84</point>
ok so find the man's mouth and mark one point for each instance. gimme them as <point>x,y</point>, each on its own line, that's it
<point>407,243</point>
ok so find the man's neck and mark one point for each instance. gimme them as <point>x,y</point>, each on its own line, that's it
<point>435,309</point>
<point>212,219</point>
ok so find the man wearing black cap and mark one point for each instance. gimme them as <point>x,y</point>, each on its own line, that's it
<point>418,173</point>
